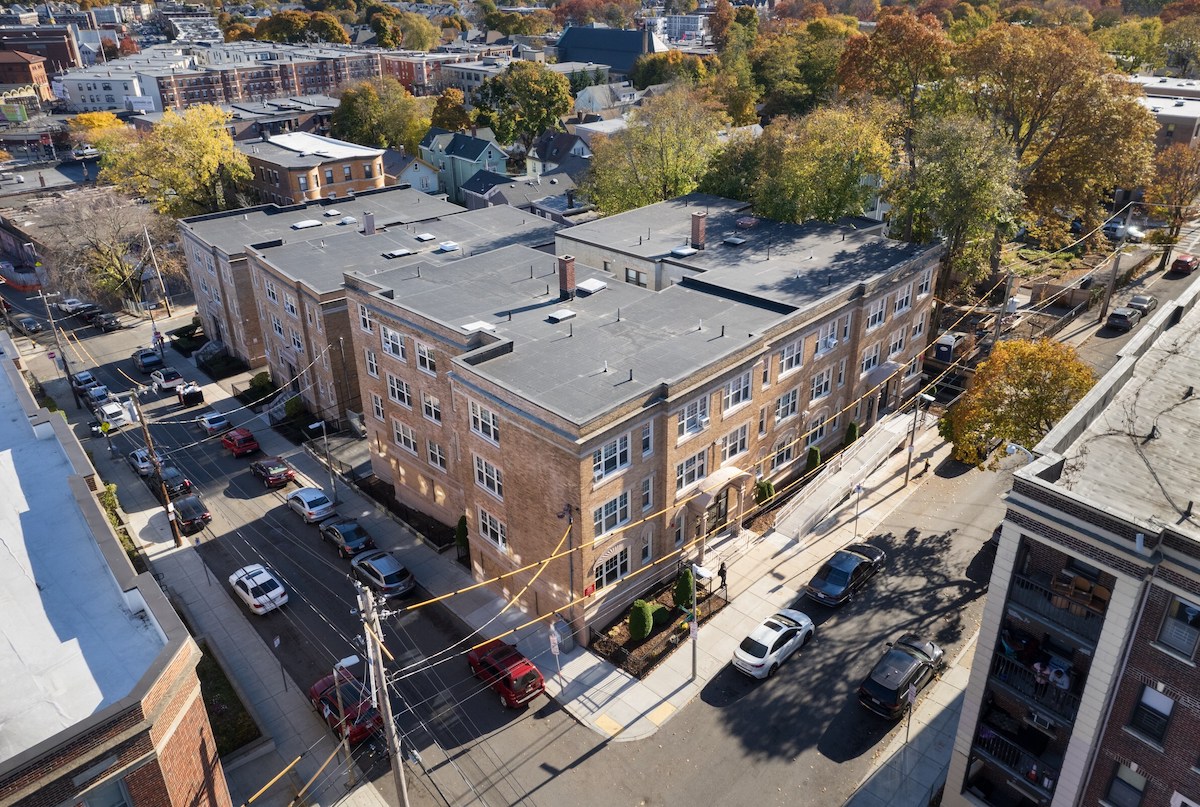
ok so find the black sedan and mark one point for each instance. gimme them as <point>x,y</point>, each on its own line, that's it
<point>346,535</point>
<point>273,471</point>
<point>845,573</point>
<point>191,514</point>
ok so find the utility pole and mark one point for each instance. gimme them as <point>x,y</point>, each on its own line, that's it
<point>383,701</point>
<point>1112,278</point>
<point>58,343</point>
<point>1003,308</point>
<point>168,505</point>
<point>154,260</point>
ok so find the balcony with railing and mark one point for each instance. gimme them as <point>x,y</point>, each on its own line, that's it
<point>1037,774</point>
<point>1080,613</point>
<point>1022,683</point>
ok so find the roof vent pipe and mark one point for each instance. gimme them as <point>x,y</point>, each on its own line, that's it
<point>1139,541</point>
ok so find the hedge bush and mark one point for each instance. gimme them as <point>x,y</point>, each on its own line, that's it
<point>683,589</point>
<point>641,620</point>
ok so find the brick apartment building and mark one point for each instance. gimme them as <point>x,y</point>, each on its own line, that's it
<point>1097,581</point>
<point>19,69</point>
<point>57,43</point>
<point>301,297</point>
<point>518,387</point>
<point>106,709</point>
<point>215,247</point>
<point>301,166</point>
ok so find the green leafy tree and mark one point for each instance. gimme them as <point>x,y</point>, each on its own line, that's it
<point>823,166</point>
<point>663,68</point>
<point>1136,43</point>
<point>1176,186</point>
<point>683,588</point>
<point>382,113</point>
<point>1181,43</point>
<point>239,32</point>
<point>641,620</point>
<point>663,152</point>
<point>283,26</point>
<point>358,115</point>
<point>796,66</point>
<point>449,112</point>
<point>720,22</point>
<point>187,165</point>
<point>524,101</point>
<point>733,168</point>
<point>1018,394</point>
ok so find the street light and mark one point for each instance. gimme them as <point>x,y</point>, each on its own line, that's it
<point>858,489</point>
<point>912,439</point>
<point>1013,448</point>
<point>328,462</point>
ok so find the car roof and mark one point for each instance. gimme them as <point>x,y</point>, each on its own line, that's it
<point>846,560</point>
<point>381,560</point>
<point>1124,311</point>
<point>1141,298</point>
<point>189,503</point>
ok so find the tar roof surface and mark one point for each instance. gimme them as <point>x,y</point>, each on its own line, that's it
<point>474,231</point>
<point>581,368</point>
<point>1115,464</point>
<point>233,231</point>
<point>71,645</point>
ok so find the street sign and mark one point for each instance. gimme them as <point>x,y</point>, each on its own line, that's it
<point>553,642</point>
<point>911,694</point>
<point>693,628</point>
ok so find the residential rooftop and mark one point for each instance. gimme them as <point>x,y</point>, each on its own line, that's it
<point>1128,448</point>
<point>320,264</point>
<point>305,150</point>
<point>622,342</point>
<point>72,644</point>
<point>233,230</point>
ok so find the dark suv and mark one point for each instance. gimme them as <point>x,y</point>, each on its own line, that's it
<point>346,535</point>
<point>908,662</point>
<point>173,479</point>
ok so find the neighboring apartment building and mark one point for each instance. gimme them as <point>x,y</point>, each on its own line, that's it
<point>520,388</point>
<point>1097,580</point>
<point>301,166</point>
<point>419,72</point>
<point>300,292</point>
<point>102,706</point>
<point>19,69</point>
<point>469,76</point>
<point>1178,120</point>
<point>59,44</point>
<point>457,156</point>
<point>250,120</point>
<point>214,246</point>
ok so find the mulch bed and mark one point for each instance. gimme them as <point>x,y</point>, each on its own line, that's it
<point>232,725</point>
<point>439,534</point>
<point>640,658</point>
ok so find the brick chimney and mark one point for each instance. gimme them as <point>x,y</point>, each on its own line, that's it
<point>698,222</point>
<point>566,277</point>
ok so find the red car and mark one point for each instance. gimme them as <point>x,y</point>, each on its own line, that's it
<point>361,718</point>
<point>507,671</point>
<point>240,441</point>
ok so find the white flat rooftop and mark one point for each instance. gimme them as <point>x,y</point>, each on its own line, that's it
<point>71,646</point>
<point>307,143</point>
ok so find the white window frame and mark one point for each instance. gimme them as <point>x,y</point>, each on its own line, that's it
<point>431,407</point>
<point>277,325</point>
<point>897,341</point>
<point>485,423</point>
<point>489,477</point>
<point>870,359</point>
<point>876,314</point>
<point>903,299</point>
<point>365,322</point>
<point>611,515</point>
<point>612,569</point>
<point>647,493</point>
<point>693,417</point>
<point>269,288</point>
<point>817,430</point>
<point>647,438</point>
<point>691,470</point>
<point>610,458</point>
<point>827,338</point>
<point>787,405</point>
<point>392,343</point>
<point>404,436</point>
<point>426,361</point>
<point>289,305</point>
<point>377,406</point>
<point>399,391</point>
<point>791,357</point>
<point>493,529</point>
<point>925,284</point>
<point>297,341</point>
<point>785,452</point>
<point>822,384</point>
<point>846,321</point>
<point>372,362</point>
<point>735,443</point>
<point>918,326</point>
<point>736,392</point>
<point>437,454</point>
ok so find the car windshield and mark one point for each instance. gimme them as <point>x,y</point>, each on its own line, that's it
<point>352,533</point>
<point>754,648</point>
<point>276,468</point>
<point>781,621</point>
<point>317,501</point>
<point>264,587</point>
<point>397,577</point>
<point>832,576</point>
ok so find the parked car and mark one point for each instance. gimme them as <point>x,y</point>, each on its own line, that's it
<point>360,720</point>
<point>147,359</point>
<point>1185,264</point>
<point>910,661</point>
<point>166,378</point>
<point>106,322</point>
<point>346,535</point>
<point>845,573</point>
<point>191,514</point>
<point>71,305</point>
<point>1124,319</point>
<point>172,480</point>
<point>258,588</point>
<point>240,441</point>
<point>273,471</point>
<point>505,669</point>
<point>84,380</point>
<point>769,645</point>
<point>114,414</point>
<point>139,461</point>
<point>95,396</point>
<point>28,326</point>
<point>1143,303</point>
<point>311,503</point>
<point>383,572</point>
<point>1115,230</point>
<point>213,423</point>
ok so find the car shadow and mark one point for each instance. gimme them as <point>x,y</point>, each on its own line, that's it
<point>729,686</point>
<point>853,732</point>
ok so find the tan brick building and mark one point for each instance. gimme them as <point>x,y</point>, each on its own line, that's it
<point>518,387</point>
<point>301,166</point>
<point>1097,581</point>
<point>107,707</point>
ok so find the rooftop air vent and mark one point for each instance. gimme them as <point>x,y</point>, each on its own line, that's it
<point>478,325</point>
<point>397,253</point>
<point>348,220</point>
<point>734,241</point>
<point>448,246</point>
<point>747,222</point>
<point>591,285</point>
<point>304,225</point>
<point>562,315</point>
<point>332,212</point>
<point>425,237</point>
<point>683,252</point>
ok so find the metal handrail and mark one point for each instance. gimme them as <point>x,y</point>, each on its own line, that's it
<point>1035,773</point>
<point>1020,679</point>
<point>1041,600</point>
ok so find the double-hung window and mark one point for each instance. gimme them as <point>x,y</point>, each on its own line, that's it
<point>736,392</point>
<point>425,358</point>
<point>289,305</point>
<point>437,455</point>
<point>691,470</point>
<point>870,358</point>
<point>790,357</point>
<point>896,343</point>
<point>431,405</point>
<point>272,294</point>
<point>277,325</point>
<point>903,300</point>
<point>610,515</point>
<point>785,406</point>
<point>611,457</point>
<point>822,382</point>
<point>816,430</point>
<point>489,477</point>
<point>1152,714</point>
<point>647,438</point>
<point>493,529</point>
<point>399,391</point>
<point>734,443</point>
<point>1180,630</point>
<point>875,314</point>
<point>377,406</point>
<point>485,422</point>
<point>693,417</point>
<point>612,569</point>
<point>393,343</point>
<point>372,363</point>
<point>364,319</point>
<point>918,326</point>
<point>404,436</point>
<point>925,283</point>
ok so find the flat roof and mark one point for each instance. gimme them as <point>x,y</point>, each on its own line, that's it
<point>788,264</point>
<point>1172,107</point>
<point>233,230</point>
<point>72,647</point>
<point>305,150</point>
<point>449,239</point>
<point>1135,458</point>
<point>622,343</point>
